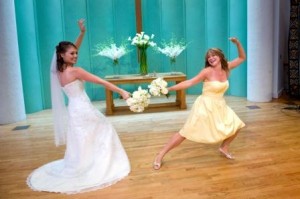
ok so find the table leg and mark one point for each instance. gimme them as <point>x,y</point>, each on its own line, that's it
<point>109,102</point>
<point>180,99</point>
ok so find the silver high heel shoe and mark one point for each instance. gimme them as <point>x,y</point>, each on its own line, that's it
<point>227,155</point>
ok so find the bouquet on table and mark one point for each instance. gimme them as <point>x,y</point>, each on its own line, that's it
<point>172,49</point>
<point>142,41</point>
<point>140,99</point>
<point>112,51</point>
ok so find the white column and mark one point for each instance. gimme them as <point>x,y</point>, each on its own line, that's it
<point>260,27</point>
<point>12,107</point>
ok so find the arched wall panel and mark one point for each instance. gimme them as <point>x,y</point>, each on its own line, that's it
<point>28,50</point>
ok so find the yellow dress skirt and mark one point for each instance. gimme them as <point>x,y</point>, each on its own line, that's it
<point>211,120</point>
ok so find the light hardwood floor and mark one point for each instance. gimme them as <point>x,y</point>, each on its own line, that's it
<point>267,155</point>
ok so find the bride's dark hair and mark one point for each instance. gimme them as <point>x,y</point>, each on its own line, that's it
<point>62,47</point>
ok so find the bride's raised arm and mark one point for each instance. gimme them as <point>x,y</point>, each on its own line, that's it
<point>81,34</point>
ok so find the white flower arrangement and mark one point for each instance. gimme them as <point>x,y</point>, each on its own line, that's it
<point>172,49</point>
<point>158,87</point>
<point>142,40</point>
<point>112,51</point>
<point>139,100</point>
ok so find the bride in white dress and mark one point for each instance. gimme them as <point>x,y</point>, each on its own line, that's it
<point>94,157</point>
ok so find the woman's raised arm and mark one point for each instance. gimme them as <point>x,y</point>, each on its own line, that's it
<point>241,54</point>
<point>81,34</point>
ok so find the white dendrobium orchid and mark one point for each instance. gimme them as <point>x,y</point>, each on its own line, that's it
<point>172,51</point>
<point>112,51</point>
<point>172,48</point>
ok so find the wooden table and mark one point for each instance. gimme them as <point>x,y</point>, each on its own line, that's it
<point>178,77</point>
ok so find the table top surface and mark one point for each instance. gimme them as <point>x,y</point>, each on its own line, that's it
<point>150,76</point>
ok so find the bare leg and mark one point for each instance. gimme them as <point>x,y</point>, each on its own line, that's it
<point>175,140</point>
<point>224,148</point>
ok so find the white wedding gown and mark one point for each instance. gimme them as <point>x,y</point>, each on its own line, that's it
<point>94,157</point>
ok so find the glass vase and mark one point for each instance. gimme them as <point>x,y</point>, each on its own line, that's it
<point>173,66</point>
<point>116,68</point>
<point>143,61</point>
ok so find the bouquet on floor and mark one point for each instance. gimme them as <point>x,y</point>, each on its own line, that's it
<point>158,87</point>
<point>139,100</point>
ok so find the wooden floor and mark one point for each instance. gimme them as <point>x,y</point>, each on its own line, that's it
<point>267,155</point>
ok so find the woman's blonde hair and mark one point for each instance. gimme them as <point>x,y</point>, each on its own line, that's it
<point>219,53</point>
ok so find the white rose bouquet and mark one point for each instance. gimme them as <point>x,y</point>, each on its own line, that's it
<point>139,100</point>
<point>158,87</point>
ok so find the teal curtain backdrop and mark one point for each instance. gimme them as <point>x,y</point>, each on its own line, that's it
<point>202,24</point>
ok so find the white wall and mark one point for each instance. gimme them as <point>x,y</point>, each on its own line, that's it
<point>281,32</point>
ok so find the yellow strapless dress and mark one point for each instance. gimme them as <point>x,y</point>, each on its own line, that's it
<point>211,120</point>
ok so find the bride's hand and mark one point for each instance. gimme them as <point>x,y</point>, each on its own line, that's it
<point>125,95</point>
<point>81,25</point>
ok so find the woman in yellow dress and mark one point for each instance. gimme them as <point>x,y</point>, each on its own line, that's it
<point>210,120</point>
